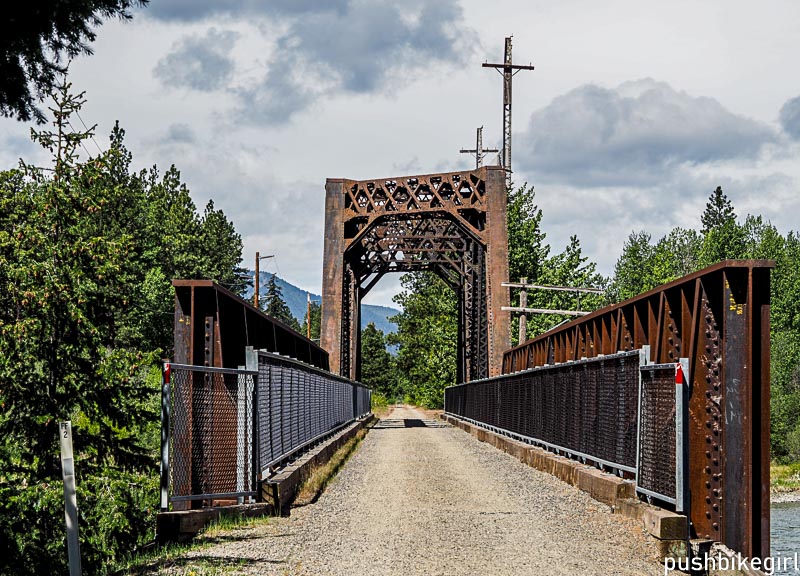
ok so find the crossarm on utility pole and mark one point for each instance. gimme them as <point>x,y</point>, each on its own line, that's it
<point>543,311</point>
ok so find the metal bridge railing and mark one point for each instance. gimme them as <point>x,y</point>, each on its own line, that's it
<point>298,404</point>
<point>615,411</point>
<point>222,429</point>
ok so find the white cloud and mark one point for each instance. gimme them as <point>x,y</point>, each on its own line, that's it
<point>634,135</point>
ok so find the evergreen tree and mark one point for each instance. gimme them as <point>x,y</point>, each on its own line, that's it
<point>87,250</point>
<point>527,250</point>
<point>35,39</point>
<point>376,362</point>
<point>223,249</point>
<point>275,306</point>
<point>718,212</point>
<point>723,237</point>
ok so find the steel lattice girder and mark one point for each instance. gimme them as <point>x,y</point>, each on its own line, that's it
<point>719,319</point>
<point>452,224</point>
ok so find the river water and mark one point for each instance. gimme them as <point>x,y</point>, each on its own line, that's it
<point>785,534</point>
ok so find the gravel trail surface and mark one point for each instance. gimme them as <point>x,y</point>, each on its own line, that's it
<point>422,497</point>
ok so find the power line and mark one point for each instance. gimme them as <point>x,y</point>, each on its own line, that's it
<point>90,132</point>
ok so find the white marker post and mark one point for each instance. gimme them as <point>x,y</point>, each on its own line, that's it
<point>70,499</point>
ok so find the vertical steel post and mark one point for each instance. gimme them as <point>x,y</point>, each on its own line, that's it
<point>523,318</point>
<point>251,364</point>
<point>165,434</point>
<point>644,360</point>
<point>70,499</point>
<point>242,445</point>
<point>681,435</point>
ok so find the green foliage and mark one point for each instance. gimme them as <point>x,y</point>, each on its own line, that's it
<point>275,306</point>
<point>527,251</point>
<point>36,39</point>
<point>567,268</point>
<point>222,246</point>
<point>718,212</point>
<point>377,370</point>
<point>86,253</point>
<point>643,266</point>
<point>427,335</point>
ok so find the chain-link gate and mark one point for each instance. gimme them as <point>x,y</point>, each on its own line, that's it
<point>207,435</point>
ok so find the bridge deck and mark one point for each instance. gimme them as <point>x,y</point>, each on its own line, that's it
<point>420,497</point>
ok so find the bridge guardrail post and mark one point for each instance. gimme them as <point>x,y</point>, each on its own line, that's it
<point>166,414</point>
<point>644,360</point>
<point>682,384</point>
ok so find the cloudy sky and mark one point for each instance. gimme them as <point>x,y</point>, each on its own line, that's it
<point>635,113</point>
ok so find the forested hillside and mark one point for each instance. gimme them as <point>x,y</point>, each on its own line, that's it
<point>296,300</point>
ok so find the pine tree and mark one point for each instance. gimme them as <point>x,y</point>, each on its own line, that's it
<point>36,36</point>
<point>86,253</point>
<point>223,248</point>
<point>723,237</point>
<point>718,212</point>
<point>275,306</point>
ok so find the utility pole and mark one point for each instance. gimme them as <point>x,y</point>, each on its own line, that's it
<point>308,313</point>
<point>479,152</point>
<point>259,258</point>
<point>508,70</point>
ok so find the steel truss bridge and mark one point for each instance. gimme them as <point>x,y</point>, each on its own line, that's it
<point>245,393</point>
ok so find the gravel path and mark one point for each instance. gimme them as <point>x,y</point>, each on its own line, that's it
<point>421,497</point>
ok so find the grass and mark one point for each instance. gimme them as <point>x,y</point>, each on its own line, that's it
<point>171,558</point>
<point>380,404</point>
<point>784,477</point>
<point>320,476</point>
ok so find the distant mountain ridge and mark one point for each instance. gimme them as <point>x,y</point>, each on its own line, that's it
<point>296,297</point>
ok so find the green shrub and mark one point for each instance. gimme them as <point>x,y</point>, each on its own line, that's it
<point>116,515</point>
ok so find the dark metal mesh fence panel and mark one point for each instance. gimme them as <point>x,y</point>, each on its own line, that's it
<point>211,436</point>
<point>588,408</point>
<point>299,403</point>
<point>657,433</point>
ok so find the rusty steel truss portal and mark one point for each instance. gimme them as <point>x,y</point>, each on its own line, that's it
<point>452,224</point>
